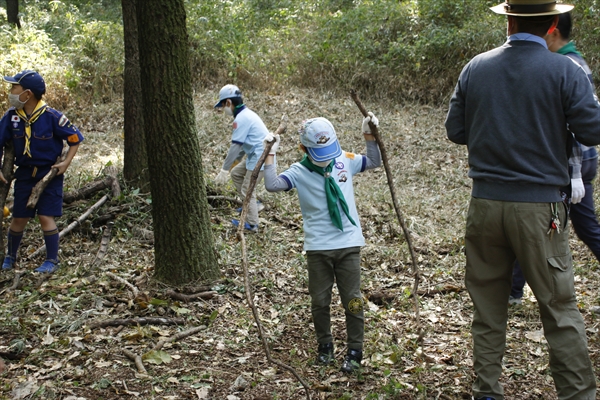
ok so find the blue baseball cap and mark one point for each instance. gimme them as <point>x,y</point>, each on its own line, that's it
<point>228,92</point>
<point>319,138</point>
<point>29,80</point>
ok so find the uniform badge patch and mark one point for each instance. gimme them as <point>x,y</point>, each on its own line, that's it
<point>350,155</point>
<point>235,125</point>
<point>63,121</point>
<point>339,165</point>
<point>15,118</point>
<point>355,305</point>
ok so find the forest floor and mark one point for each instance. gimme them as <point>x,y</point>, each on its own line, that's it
<point>53,347</point>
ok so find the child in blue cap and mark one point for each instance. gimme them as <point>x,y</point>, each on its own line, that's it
<point>38,133</point>
<point>332,233</point>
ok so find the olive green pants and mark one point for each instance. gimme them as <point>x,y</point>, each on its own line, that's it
<point>498,232</point>
<point>241,180</point>
<point>341,266</point>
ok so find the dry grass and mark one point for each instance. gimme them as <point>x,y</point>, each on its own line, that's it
<point>430,177</point>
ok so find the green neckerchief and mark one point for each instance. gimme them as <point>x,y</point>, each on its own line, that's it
<point>332,191</point>
<point>569,48</point>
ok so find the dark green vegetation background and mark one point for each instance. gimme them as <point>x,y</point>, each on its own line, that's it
<point>399,50</point>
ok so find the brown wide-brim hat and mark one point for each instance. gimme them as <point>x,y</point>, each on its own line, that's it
<point>531,8</point>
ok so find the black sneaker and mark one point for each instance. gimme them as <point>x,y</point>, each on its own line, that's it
<point>486,398</point>
<point>352,361</point>
<point>325,353</point>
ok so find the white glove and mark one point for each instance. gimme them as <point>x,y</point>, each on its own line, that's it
<point>275,146</point>
<point>365,124</point>
<point>222,177</point>
<point>577,190</point>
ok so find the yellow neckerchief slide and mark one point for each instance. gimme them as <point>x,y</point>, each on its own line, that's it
<point>39,110</point>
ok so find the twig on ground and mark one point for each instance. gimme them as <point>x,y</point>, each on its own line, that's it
<point>137,321</point>
<point>178,336</point>
<point>134,290</point>
<point>137,359</point>
<point>190,297</point>
<point>240,234</point>
<point>390,180</point>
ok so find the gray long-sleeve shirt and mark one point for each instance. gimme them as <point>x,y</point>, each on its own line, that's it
<point>511,107</point>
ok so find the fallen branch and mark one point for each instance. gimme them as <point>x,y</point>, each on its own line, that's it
<point>39,187</point>
<point>124,282</point>
<point>137,360</point>
<point>178,336</point>
<point>87,190</point>
<point>190,297</point>
<point>390,180</point>
<point>73,224</point>
<point>104,242</point>
<point>225,198</point>
<point>137,321</point>
<point>8,172</point>
<point>240,234</point>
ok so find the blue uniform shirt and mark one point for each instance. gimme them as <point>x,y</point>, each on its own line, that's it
<point>48,134</point>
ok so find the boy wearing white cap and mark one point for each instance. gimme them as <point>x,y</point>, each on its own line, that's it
<point>332,232</point>
<point>249,132</point>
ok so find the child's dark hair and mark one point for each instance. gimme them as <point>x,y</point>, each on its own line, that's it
<point>236,101</point>
<point>565,25</point>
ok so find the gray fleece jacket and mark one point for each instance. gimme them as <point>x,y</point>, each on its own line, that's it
<point>511,107</point>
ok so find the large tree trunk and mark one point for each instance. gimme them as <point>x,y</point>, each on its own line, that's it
<point>12,12</point>
<point>183,238</point>
<point>135,168</point>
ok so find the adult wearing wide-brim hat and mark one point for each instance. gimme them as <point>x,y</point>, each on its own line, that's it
<point>511,108</point>
<point>531,8</point>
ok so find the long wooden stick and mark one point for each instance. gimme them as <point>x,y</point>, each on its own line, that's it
<point>8,166</point>
<point>390,180</point>
<point>240,233</point>
<point>39,187</point>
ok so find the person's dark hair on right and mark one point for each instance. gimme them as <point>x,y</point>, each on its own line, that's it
<point>565,25</point>
<point>535,25</point>
<point>236,101</point>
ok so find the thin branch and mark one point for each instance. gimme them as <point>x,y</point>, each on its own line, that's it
<point>240,233</point>
<point>390,180</point>
<point>178,336</point>
<point>137,321</point>
<point>137,359</point>
<point>73,224</point>
<point>190,297</point>
<point>124,282</point>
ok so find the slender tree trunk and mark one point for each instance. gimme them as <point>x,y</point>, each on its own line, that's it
<point>135,169</point>
<point>182,231</point>
<point>12,12</point>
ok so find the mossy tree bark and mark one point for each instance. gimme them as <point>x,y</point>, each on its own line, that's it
<point>135,168</point>
<point>182,233</point>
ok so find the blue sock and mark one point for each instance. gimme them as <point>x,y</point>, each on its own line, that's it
<point>51,240</point>
<point>13,242</point>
